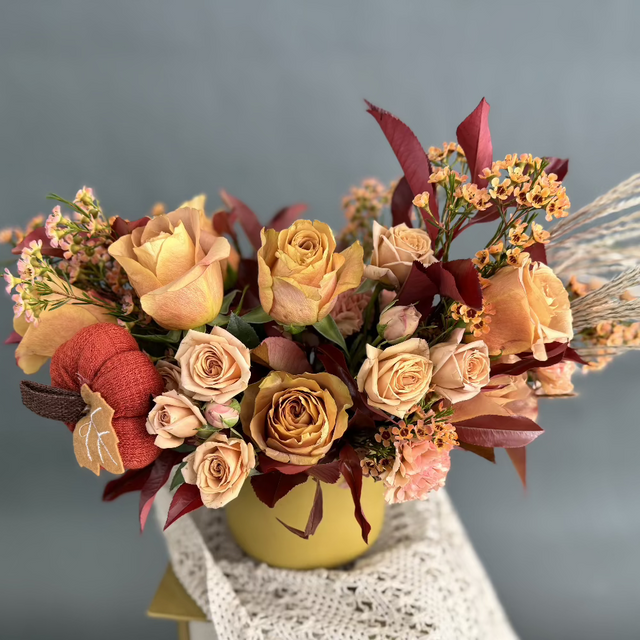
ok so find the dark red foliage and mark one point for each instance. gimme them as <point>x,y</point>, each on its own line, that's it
<point>286,217</point>
<point>38,234</point>
<point>497,431</point>
<point>352,473</point>
<point>558,166</point>
<point>246,217</point>
<point>121,227</point>
<point>273,486</point>
<point>475,139</point>
<point>315,516</point>
<point>556,352</point>
<point>185,499</point>
<point>402,203</point>
<point>129,481</point>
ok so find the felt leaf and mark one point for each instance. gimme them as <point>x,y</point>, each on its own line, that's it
<point>185,499</point>
<point>131,480</point>
<point>328,328</point>
<point>281,354</point>
<point>504,431</point>
<point>518,456</point>
<point>413,160</point>
<point>352,473</point>
<point>475,139</point>
<point>158,476</point>
<point>257,316</point>
<point>286,217</point>
<point>246,217</point>
<point>315,516</point>
<point>484,452</point>
<point>328,472</point>
<point>402,203</point>
<point>273,486</point>
<point>558,166</point>
<point>242,330</point>
<point>95,442</point>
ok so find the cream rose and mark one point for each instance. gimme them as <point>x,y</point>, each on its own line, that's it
<point>219,467</point>
<point>173,419</point>
<point>296,418</point>
<point>397,377</point>
<point>531,309</point>
<point>213,366</point>
<point>175,264</point>
<point>399,322</point>
<point>460,370</point>
<point>300,274</point>
<point>394,251</point>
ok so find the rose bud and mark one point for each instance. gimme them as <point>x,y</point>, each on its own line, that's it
<point>222,416</point>
<point>398,323</point>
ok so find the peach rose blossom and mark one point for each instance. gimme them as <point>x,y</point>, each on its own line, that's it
<point>399,322</point>
<point>214,366</point>
<point>460,370</point>
<point>555,380</point>
<point>219,467</point>
<point>531,309</point>
<point>419,468</point>
<point>175,264</point>
<point>296,418</point>
<point>394,251</point>
<point>173,419</point>
<point>170,374</point>
<point>397,377</point>
<point>347,312</point>
<point>300,275</point>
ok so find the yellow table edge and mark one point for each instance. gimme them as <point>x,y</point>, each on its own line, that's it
<point>172,602</point>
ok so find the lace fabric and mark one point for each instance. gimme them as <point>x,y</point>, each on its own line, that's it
<point>420,580</point>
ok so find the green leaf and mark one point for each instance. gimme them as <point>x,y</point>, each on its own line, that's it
<point>220,320</point>
<point>366,286</point>
<point>242,330</point>
<point>173,337</point>
<point>257,316</point>
<point>202,328</point>
<point>328,328</point>
<point>185,448</point>
<point>178,478</point>
<point>227,300</point>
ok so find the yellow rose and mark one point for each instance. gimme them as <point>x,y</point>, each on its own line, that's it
<point>397,377</point>
<point>531,309</point>
<point>219,467</point>
<point>394,251</point>
<point>176,267</point>
<point>300,274</point>
<point>296,418</point>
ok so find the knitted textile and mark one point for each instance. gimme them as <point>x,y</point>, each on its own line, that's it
<point>420,580</point>
<point>107,359</point>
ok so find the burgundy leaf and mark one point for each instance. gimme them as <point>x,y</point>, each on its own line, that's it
<point>271,487</point>
<point>267,465</point>
<point>246,217</point>
<point>286,217</point>
<point>328,472</point>
<point>498,431</point>
<point>484,452</point>
<point>121,227</point>
<point>475,139</point>
<point>558,166</point>
<point>131,480</point>
<point>555,353</point>
<point>248,276</point>
<point>223,224</point>
<point>518,456</point>
<point>412,158</point>
<point>402,203</point>
<point>315,516</point>
<point>14,338</point>
<point>537,252</point>
<point>185,499</point>
<point>38,233</point>
<point>466,284</point>
<point>281,354</point>
<point>352,473</point>
<point>160,472</point>
<point>418,289</point>
<point>574,356</point>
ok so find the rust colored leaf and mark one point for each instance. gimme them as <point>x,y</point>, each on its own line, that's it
<point>286,217</point>
<point>475,139</point>
<point>246,217</point>
<point>402,203</point>
<point>185,499</point>
<point>498,431</point>
<point>352,473</point>
<point>518,456</point>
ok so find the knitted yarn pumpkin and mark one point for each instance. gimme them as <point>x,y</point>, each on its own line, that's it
<point>108,360</point>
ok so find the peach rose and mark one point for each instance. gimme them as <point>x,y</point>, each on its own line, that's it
<point>170,374</point>
<point>399,322</point>
<point>300,275</point>
<point>176,267</point>
<point>394,251</point>
<point>419,468</point>
<point>296,418</point>
<point>213,366</point>
<point>460,370</point>
<point>173,419</point>
<point>531,309</point>
<point>347,312</point>
<point>397,377</point>
<point>219,467</point>
<point>555,380</point>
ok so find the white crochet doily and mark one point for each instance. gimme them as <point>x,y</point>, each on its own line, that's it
<point>421,579</point>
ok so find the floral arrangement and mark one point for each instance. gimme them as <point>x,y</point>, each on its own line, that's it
<point>320,358</point>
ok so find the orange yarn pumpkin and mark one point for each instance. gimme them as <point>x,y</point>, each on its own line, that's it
<point>108,360</point>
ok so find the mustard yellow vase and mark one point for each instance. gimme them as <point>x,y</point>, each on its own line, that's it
<point>337,541</point>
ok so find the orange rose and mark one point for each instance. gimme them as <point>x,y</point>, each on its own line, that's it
<point>531,309</point>
<point>300,275</point>
<point>176,267</point>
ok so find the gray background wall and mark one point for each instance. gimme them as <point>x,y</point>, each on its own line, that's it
<point>160,100</point>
